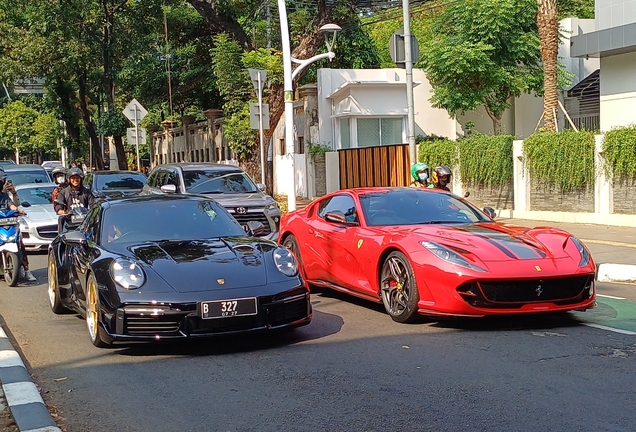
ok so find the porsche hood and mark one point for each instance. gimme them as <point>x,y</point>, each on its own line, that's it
<point>496,242</point>
<point>193,265</point>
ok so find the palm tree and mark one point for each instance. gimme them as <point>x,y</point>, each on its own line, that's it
<point>548,25</point>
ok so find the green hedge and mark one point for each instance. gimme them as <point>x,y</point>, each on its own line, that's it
<point>619,150</point>
<point>483,159</point>
<point>562,159</point>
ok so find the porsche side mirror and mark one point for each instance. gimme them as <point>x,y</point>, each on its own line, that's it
<point>255,228</point>
<point>490,212</point>
<point>261,187</point>
<point>169,188</point>
<point>25,204</point>
<point>74,237</point>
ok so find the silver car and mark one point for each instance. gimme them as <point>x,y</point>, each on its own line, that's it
<point>39,225</point>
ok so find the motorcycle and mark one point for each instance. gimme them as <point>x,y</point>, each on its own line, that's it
<point>72,220</point>
<point>9,241</point>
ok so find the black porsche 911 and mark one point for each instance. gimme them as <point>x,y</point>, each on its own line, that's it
<point>173,266</point>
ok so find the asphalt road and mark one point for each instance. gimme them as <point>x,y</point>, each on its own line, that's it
<point>351,369</point>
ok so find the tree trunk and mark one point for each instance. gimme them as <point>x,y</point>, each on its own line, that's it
<point>89,124</point>
<point>548,25</point>
<point>496,120</point>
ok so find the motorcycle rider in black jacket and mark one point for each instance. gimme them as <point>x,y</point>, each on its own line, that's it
<point>73,196</point>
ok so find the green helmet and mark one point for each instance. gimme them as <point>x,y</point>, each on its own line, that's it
<point>416,169</point>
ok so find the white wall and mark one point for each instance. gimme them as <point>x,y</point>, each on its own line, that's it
<point>614,13</point>
<point>618,91</point>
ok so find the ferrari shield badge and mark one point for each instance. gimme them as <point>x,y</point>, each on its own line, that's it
<point>220,281</point>
<point>360,243</point>
<point>538,268</point>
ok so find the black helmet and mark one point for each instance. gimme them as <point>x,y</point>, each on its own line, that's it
<point>441,171</point>
<point>58,170</point>
<point>75,171</point>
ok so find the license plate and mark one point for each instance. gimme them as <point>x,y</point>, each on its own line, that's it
<point>9,221</point>
<point>228,308</point>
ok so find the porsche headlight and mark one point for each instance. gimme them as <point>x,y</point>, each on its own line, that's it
<point>285,261</point>
<point>449,255</point>
<point>585,254</point>
<point>127,274</point>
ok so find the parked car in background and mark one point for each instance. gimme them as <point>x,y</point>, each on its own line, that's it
<point>26,173</point>
<point>229,185</point>
<point>39,225</point>
<point>49,166</point>
<point>115,184</point>
<point>6,162</point>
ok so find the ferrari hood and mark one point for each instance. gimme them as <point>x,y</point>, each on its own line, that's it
<point>193,265</point>
<point>498,242</point>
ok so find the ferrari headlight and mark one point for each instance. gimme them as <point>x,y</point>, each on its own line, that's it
<point>449,255</point>
<point>127,274</point>
<point>285,261</point>
<point>585,254</point>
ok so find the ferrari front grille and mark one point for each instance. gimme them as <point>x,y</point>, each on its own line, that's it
<point>515,293</point>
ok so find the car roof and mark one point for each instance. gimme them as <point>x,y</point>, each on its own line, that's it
<point>149,199</point>
<point>108,172</point>
<point>22,167</point>
<point>34,185</point>
<point>198,166</point>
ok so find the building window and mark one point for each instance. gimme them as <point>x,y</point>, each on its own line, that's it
<point>281,147</point>
<point>345,133</point>
<point>379,131</point>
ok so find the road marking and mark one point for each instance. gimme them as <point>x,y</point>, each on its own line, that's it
<point>609,243</point>
<point>612,329</point>
<point>611,297</point>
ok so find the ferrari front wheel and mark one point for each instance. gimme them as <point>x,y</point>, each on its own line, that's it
<point>292,244</point>
<point>398,288</point>
<point>95,332</point>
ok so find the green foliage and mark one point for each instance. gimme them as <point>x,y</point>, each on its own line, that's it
<point>431,137</point>
<point>483,52</point>
<point>562,159</point>
<point>232,78</point>
<point>576,8</point>
<point>486,160</point>
<point>619,149</point>
<point>268,60</point>
<point>438,152</point>
<point>112,123</point>
<point>27,129</point>
<point>319,149</point>
<point>240,136</point>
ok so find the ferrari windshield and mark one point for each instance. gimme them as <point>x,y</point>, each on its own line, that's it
<point>222,182</point>
<point>167,220</point>
<point>119,181</point>
<point>410,206</point>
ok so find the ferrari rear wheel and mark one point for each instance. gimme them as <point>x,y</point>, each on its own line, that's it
<point>54,289</point>
<point>399,289</point>
<point>95,331</point>
<point>292,244</point>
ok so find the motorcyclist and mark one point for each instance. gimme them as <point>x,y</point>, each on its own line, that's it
<point>74,195</point>
<point>419,173</point>
<point>59,176</point>
<point>441,177</point>
<point>11,202</point>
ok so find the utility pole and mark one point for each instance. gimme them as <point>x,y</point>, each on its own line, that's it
<point>408,60</point>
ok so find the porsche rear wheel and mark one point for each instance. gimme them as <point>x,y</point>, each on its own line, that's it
<point>95,331</point>
<point>399,289</point>
<point>54,289</point>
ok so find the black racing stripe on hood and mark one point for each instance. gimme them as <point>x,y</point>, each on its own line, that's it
<point>514,247</point>
<point>499,246</point>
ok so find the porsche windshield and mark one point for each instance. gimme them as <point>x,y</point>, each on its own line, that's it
<point>167,220</point>
<point>409,206</point>
<point>221,182</point>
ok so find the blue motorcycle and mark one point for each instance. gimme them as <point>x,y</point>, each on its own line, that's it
<point>9,241</point>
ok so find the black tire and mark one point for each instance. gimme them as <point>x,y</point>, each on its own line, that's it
<point>54,288</point>
<point>291,243</point>
<point>398,288</point>
<point>11,268</point>
<point>95,330</point>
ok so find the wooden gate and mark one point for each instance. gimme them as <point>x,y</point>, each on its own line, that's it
<point>375,166</point>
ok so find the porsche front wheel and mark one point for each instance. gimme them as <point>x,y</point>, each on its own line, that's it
<point>54,289</point>
<point>399,289</point>
<point>95,332</point>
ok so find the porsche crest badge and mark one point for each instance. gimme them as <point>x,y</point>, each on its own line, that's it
<point>220,281</point>
<point>538,268</point>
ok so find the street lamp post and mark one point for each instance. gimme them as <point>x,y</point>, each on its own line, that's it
<point>288,77</point>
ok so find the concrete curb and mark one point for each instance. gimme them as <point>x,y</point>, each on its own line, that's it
<point>23,397</point>
<point>616,273</point>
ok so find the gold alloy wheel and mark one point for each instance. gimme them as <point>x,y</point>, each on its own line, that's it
<point>92,319</point>
<point>52,276</point>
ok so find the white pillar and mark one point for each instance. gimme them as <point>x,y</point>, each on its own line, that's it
<point>603,193</point>
<point>521,178</point>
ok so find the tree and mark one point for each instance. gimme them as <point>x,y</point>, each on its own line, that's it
<point>27,130</point>
<point>483,52</point>
<point>548,28</point>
